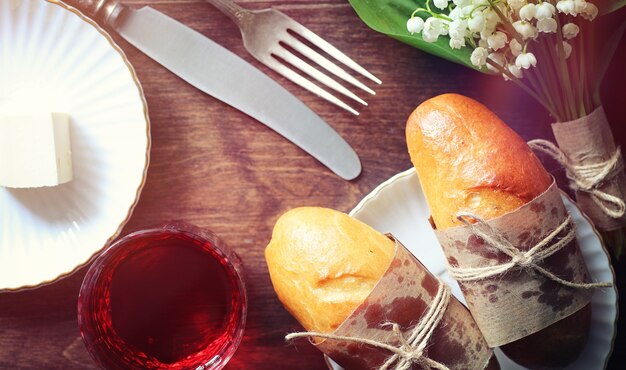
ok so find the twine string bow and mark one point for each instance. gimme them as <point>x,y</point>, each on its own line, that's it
<point>590,177</point>
<point>529,259</point>
<point>411,349</point>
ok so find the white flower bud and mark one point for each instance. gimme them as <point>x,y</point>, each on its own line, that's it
<point>461,3</point>
<point>440,4</point>
<point>516,47</point>
<point>456,13</point>
<point>525,29</point>
<point>544,10</point>
<point>477,22</point>
<point>497,40</point>
<point>516,4</point>
<point>570,31</point>
<point>566,7</point>
<point>457,29</point>
<point>479,56</point>
<point>547,25</point>
<point>491,17</point>
<point>590,12</point>
<point>497,58</point>
<point>432,29</point>
<point>515,71</point>
<point>527,12</point>
<point>486,32</point>
<point>457,43</point>
<point>579,5</point>
<point>415,25</point>
<point>525,60</point>
<point>467,10</point>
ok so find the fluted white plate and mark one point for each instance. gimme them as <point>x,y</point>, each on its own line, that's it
<point>52,58</point>
<point>398,206</point>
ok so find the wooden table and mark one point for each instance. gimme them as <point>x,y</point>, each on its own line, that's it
<point>217,168</point>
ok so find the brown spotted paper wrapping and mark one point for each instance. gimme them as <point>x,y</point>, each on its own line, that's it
<point>519,302</point>
<point>402,296</point>
<point>585,141</point>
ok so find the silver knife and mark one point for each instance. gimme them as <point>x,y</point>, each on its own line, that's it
<point>225,76</point>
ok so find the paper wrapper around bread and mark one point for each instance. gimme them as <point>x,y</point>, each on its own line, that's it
<point>519,302</point>
<point>587,141</point>
<point>402,296</point>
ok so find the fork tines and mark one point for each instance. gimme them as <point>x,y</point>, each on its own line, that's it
<point>284,58</point>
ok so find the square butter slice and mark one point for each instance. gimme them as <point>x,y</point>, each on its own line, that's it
<point>35,150</point>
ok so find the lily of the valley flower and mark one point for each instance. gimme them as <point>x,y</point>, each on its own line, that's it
<point>544,10</point>
<point>440,4</point>
<point>590,12</point>
<point>479,56</point>
<point>499,31</point>
<point>433,27</point>
<point>515,71</point>
<point>570,30</point>
<point>497,40</point>
<point>566,7</point>
<point>457,29</point>
<point>415,25</point>
<point>525,60</point>
<point>516,47</point>
<point>528,11</point>
<point>525,29</point>
<point>516,4</point>
<point>547,25</point>
<point>476,23</point>
<point>457,43</point>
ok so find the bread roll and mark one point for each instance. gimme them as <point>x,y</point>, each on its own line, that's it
<point>468,160</point>
<point>324,263</point>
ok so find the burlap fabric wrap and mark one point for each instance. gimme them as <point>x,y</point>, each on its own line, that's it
<point>520,301</point>
<point>589,141</point>
<point>402,296</point>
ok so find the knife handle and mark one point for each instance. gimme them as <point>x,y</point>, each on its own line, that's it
<point>106,11</point>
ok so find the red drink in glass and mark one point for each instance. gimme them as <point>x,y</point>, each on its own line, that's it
<point>171,297</point>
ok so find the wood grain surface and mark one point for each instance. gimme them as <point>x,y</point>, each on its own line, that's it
<point>217,168</point>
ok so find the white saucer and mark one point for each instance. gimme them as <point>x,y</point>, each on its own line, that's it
<point>398,206</point>
<point>52,58</point>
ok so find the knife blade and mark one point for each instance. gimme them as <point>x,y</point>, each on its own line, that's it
<point>222,74</point>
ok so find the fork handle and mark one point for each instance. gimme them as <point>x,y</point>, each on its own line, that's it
<point>232,10</point>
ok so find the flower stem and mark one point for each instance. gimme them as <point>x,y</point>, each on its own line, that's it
<point>519,83</point>
<point>549,71</point>
<point>565,73</point>
<point>505,21</point>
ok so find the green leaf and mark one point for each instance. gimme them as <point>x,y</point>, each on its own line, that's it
<point>608,6</point>
<point>390,16</point>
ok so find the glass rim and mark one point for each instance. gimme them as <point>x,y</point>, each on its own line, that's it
<point>232,266</point>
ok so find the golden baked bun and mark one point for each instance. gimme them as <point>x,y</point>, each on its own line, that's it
<point>324,263</point>
<point>468,160</point>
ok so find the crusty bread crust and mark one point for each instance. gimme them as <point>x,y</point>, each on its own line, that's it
<point>468,160</point>
<point>324,263</point>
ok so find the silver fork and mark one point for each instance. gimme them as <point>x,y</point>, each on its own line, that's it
<point>265,32</point>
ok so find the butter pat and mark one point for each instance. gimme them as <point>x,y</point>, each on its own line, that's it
<point>35,150</point>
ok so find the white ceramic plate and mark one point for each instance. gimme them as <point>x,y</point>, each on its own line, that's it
<point>398,206</point>
<point>52,58</point>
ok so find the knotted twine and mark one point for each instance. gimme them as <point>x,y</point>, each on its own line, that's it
<point>519,259</point>
<point>411,349</point>
<point>589,178</point>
